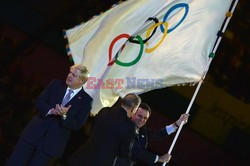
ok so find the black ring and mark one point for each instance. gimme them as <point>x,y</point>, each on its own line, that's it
<point>131,39</point>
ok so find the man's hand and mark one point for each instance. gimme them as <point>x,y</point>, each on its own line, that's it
<point>164,158</point>
<point>60,110</point>
<point>53,111</point>
<point>184,118</point>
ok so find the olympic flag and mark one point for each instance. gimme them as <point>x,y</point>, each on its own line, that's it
<point>141,45</point>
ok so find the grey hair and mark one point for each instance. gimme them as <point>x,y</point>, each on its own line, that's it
<point>83,71</point>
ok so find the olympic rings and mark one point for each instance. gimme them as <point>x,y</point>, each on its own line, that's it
<point>149,35</point>
<point>116,56</point>
<point>148,50</point>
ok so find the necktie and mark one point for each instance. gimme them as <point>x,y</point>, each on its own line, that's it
<point>67,97</point>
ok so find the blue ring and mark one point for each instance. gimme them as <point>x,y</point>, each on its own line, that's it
<point>172,9</point>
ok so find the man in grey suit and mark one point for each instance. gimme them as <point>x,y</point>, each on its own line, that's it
<point>62,107</point>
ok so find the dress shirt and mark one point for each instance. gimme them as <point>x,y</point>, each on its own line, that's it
<point>75,91</point>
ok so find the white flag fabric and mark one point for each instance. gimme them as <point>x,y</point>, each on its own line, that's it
<point>141,45</point>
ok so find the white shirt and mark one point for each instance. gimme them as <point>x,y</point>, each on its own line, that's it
<point>75,91</point>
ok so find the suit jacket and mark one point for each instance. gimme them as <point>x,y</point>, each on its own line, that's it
<point>140,156</point>
<point>112,135</point>
<point>54,130</point>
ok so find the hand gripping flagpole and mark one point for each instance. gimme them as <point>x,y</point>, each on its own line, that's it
<point>211,56</point>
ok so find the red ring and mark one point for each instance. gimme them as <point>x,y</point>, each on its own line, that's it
<point>124,35</point>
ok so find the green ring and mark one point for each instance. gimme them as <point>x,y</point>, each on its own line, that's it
<point>136,59</point>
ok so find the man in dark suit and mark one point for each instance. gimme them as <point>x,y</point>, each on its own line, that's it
<point>140,156</point>
<point>62,107</point>
<point>112,135</point>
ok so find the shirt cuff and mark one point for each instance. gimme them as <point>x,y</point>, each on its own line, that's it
<point>48,112</point>
<point>170,129</point>
<point>64,116</point>
<point>156,158</point>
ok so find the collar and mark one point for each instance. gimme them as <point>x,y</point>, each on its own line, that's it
<point>75,91</point>
<point>137,130</point>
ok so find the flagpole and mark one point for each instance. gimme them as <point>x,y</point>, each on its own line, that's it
<point>229,15</point>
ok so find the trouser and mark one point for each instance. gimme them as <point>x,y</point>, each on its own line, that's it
<point>29,154</point>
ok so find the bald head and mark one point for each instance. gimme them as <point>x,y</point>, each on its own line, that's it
<point>131,102</point>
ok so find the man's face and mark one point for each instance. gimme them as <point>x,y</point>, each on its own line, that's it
<point>140,117</point>
<point>73,80</point>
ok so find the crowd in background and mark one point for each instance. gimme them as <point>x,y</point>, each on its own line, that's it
<point>17,94</point>
<point>229,70</point>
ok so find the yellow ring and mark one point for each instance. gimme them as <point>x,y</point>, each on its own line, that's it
<point>148,50</point>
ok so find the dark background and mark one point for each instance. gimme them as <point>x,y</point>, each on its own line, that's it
<point>32,52</point>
